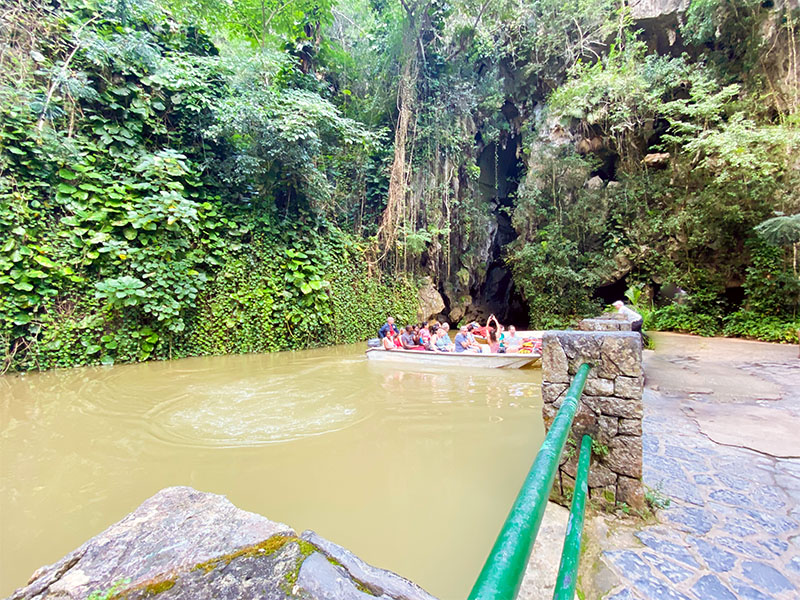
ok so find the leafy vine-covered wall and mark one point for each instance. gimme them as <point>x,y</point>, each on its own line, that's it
<point>159,199</point>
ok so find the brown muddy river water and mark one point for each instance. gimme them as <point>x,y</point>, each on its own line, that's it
<point>413,471</point>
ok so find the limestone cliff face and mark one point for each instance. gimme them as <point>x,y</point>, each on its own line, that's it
<point>653,9</point>
<point>183,544</point>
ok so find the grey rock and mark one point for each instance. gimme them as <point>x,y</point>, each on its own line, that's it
<point>567,483</point>
<point>667,548</point>
<point>773,524</point>
<point>745,592</point>
<point>553,391</point>
<point>174,530</point>
<point>733,482</point>
<point>739,529</point>
<point>694,460</point>
<point>777,547</point>
<point>794,564</point>
<point>769,497</point>
<point>709,586</point>
<point>595,183</point>
<point>625,456</point>
<point>629,564</point>
<point>580,345</point>
<point>615,407</point>
<point>321,580</point>
<point>606,496</point>
<point>601,477</point>
<point>672,571</point>
<point>549,411</point>
<point>650,443</point>
<point>378,581</point>
<point>630,427</point>
<point>718,559</point>
<point>656,159</point>
<point>651,9</point>
<point>766,576</point>
<point>248,574</point>
<point>604,325</point>
<point>599,387</point>
<point>554,361</point>
<point>625,594</point>
<point>610,426</point>
<point>430,300</point>
<point>621,354</point>
<point>654,589</point>
<point>731,498</point>
<point>691,519</point>
<point>704,480</point>
<point>630,491</point>
<point>743,547</point>
<point>585,423</point>
<point>677,489</point>
<point>628,387</point>
<point>182,544</point>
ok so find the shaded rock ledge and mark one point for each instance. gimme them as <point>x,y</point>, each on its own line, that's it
<point>190,545</point>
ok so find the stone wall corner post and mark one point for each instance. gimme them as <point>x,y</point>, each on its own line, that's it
<point>610,410</point>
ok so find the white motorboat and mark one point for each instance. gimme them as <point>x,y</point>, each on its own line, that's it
<point>453,359</point>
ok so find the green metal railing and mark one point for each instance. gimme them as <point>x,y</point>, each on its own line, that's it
<point>502,573</point>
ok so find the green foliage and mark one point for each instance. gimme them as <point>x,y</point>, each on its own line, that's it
<point>138,170</point>
<point>110,592</point>
<point>599,449</point>
<point>781,230</point>
<point>683,318</point>
<point>619,94</point>
<point>655,498</point>
<point>757,326</point>
<point>771,289</point>
<point>556,258</point>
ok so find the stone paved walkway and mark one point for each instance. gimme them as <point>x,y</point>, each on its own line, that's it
<point>732,529</point>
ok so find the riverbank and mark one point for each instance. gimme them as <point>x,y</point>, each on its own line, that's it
<point>720,443</point>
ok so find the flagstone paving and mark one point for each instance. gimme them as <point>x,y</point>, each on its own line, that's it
<point>732,528</point>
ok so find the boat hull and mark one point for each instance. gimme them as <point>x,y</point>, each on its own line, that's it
<point>452,359</point>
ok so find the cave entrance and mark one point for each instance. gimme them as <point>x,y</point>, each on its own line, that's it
<point>611,292</point>
<point>500,174</point>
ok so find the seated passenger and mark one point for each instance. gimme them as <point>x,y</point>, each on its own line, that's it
<point>442,343</point>
<point>473,343</point>
<point>388,326</point>
<point>398,343</point>
<point>463,342</point>
<point>510,340</point>
<point>408,341</point>
<point>424,336</point>
<point>388,340</point>
<point>494,342</point>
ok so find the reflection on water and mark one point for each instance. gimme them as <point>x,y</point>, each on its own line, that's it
<point>412,470</point>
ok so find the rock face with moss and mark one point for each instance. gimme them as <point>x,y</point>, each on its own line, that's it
<point>190,545</point>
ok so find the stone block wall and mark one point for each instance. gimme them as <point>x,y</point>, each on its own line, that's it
<point>606,322</point>
<point>610,410</point>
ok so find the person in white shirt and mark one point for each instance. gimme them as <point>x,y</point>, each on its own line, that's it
<point>631,315</point>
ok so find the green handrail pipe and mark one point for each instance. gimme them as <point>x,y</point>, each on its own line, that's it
<point>570,556</point>
<point>502,573</point>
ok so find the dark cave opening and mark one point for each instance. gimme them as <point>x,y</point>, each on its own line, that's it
<point>607,169</point>
<point>501,170</point>
<point>612,292</point>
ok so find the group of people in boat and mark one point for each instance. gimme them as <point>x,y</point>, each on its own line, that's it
<point>434,337</point>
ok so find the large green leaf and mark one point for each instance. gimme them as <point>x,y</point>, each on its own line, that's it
<point>780,231</point>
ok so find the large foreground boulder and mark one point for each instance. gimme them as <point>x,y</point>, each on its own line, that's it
<point>190,545</point>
